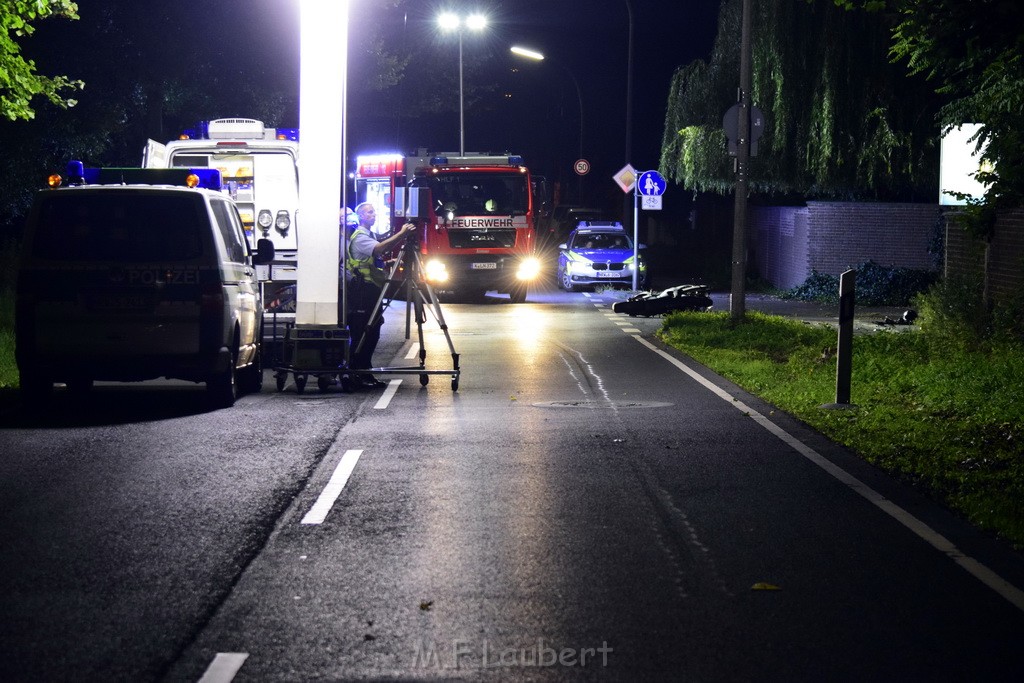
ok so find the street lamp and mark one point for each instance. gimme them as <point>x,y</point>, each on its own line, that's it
<point>323,64</point>
<point>448,22</point>
<point>539,56</point>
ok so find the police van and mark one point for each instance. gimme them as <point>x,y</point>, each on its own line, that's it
<point>136,274</point>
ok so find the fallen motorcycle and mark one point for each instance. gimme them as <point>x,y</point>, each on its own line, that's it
<point>680,298</point>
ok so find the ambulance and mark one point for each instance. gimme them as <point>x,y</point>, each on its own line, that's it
<point>259,171</point>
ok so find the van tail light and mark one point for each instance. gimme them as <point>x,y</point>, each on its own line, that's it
<point>211,299</point>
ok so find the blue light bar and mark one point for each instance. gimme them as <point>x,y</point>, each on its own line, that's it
<point>438,161</point>
<point>515,160</point>
<point>209,178</point>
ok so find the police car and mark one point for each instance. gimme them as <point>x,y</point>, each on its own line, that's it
<point>135,274</point>
<point>598,253</point>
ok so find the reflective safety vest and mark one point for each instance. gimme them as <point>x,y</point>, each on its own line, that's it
<point>365,269</point>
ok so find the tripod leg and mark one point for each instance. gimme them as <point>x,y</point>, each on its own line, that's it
<point>435,306</point>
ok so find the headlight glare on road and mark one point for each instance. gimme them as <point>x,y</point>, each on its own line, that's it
<point>529,268</point>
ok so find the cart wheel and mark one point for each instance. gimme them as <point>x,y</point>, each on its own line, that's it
<point>323,382</point>
<point>281,378</point>
<point>424,379</point>
<point>346,384</point>
<point>455,383</point>
<point>300,383</point>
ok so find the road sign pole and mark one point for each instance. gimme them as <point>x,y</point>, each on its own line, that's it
<point>636,242</point>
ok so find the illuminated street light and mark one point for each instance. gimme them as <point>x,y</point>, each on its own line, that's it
<point>448,22</point>
<point>539,56</point>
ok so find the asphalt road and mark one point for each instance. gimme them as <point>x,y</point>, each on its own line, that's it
<point>588,505</point>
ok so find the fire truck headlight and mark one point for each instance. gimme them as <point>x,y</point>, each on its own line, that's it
<point>265,220</point>
<point>529,268</point>
<point>435,271</point>
<point>283,222</point>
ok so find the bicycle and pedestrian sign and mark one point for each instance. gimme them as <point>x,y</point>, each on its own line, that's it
<point>650,186</point>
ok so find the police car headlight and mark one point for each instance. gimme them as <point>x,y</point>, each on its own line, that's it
<point>529,268</point>
<point>435,271</point>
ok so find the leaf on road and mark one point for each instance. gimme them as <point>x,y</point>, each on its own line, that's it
<point>426,605</point>
<point>761,586</point>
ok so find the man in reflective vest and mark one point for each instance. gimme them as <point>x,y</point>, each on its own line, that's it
<point>366,281</point>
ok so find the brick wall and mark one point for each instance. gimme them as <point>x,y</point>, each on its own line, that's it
<point>1005,257</point>
<point>782,247</point>
<point>831,237</point>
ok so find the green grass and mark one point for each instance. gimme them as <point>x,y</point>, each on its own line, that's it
<point>947,422</point>
<point>8,268</point>
<point>8,369</point>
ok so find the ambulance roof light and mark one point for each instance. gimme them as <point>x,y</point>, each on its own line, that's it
<point>76,172</point>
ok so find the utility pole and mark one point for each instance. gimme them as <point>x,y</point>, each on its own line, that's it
<point>737,299</point>
<point>629,108</point>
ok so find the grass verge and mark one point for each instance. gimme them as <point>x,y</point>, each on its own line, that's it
<point>947,422</point>
<point>8,267</point>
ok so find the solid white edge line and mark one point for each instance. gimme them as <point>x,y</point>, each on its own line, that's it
<point>1004,588</point>
<point>385,399</point>
<point>318,513</point>
<point>224,667</point>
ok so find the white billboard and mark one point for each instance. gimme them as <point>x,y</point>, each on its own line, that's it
<point>958,162</point>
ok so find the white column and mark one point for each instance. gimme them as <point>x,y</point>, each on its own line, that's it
<point>323,62</point>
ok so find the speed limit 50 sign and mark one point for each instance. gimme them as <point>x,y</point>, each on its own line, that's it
<point>582,167</point>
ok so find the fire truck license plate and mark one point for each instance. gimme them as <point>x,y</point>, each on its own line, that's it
<point>487,265</point>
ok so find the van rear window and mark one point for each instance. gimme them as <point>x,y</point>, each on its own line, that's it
<point>120,227</point>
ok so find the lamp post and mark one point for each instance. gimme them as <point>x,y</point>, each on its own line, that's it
<point>539,56</point>
<point>323,64</point>
<point>453,22</point>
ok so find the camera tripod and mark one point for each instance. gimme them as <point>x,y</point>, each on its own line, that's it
<point>406,276</point>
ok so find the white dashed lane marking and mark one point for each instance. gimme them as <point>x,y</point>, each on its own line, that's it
<point>224,667</point>
<point>318,513</point>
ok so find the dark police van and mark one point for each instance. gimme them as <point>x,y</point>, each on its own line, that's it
<point>136,274</point>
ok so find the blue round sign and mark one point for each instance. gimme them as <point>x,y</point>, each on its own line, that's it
<point>651,183</point>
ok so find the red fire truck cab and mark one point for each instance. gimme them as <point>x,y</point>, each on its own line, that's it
<point>479,233</point>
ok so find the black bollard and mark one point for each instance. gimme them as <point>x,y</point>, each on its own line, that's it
<point>844,346</point>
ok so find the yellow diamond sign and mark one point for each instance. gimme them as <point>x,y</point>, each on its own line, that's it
<point>625,178</point>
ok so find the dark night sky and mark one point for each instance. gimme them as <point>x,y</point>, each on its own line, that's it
<point>585,39</point>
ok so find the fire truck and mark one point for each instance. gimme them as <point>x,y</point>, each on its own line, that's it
<point>479,229</point>
<point>259,169</point>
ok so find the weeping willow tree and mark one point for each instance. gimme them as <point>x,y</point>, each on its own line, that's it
<point>841,120</point>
